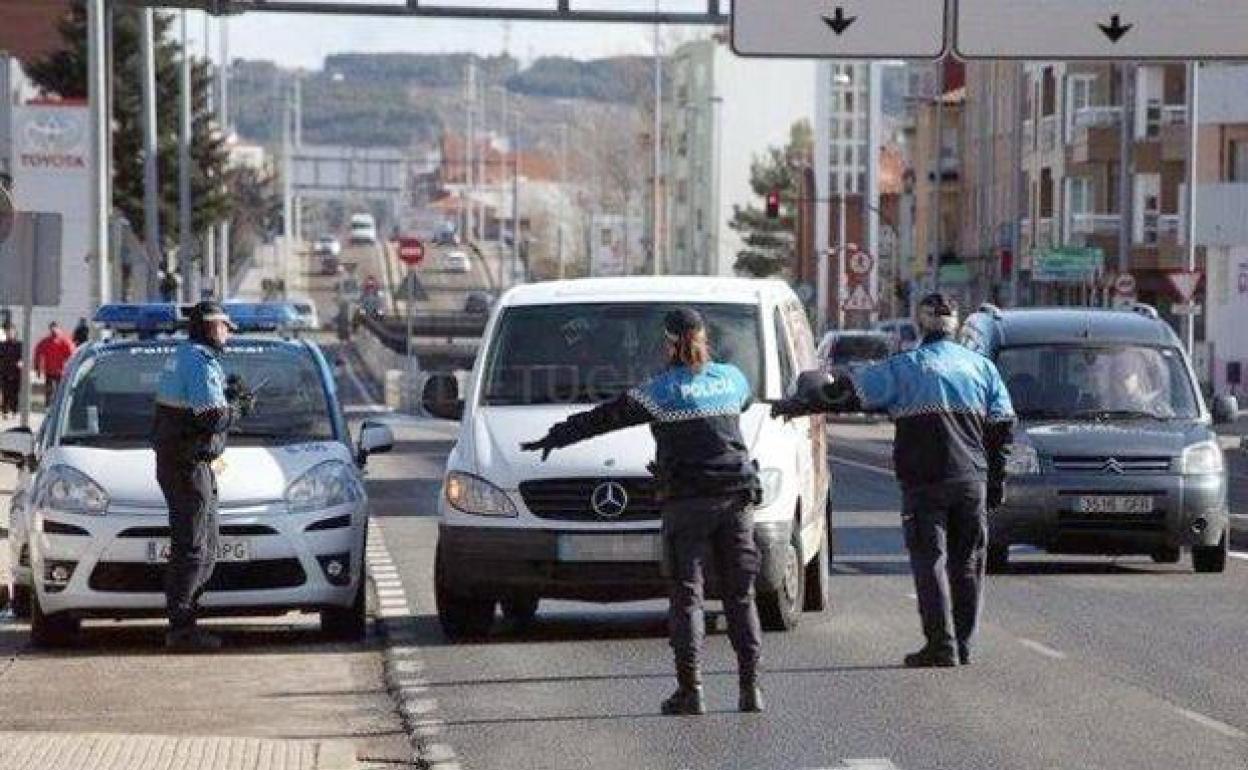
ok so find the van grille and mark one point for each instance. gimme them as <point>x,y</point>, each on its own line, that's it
<point>572,499</point>
<point>1114,466</point>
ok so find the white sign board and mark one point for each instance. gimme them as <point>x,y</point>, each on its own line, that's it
<point>852,29</point>
<point>1125,284</point>
<point>1102,29</point>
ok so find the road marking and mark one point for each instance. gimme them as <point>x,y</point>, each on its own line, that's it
<point>1213,724</point>
<point>1239,555</point>
<point>848,569</point>
<point>861,466</point>
<point>1044,650</point>
<point>912,595</point>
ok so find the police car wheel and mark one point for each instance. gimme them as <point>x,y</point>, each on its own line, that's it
<point>1210,558</point>
<point>817,594</point>
<point>521,611</point>
<point>781,609</point>
<point>461,617</point>
<point>348,624</point>
<point>20,602</point>
<point>56,630</point>
<point>998,558</point>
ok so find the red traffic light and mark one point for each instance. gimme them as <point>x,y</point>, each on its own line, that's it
<point>773,204</point>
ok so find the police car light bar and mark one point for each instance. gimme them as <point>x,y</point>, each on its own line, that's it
<point>163,317</point>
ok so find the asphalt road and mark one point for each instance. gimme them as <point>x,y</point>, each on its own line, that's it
<point>1084,663</point>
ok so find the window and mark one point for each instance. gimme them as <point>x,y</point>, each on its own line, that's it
<point>1237,161</point>
<point>788,370</point>
<point>1080,195</point>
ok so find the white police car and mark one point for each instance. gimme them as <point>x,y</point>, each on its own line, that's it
<point>90,532</point>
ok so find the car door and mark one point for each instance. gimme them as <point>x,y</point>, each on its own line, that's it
<point>795,346</point>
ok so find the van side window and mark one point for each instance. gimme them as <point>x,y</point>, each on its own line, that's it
<point>802,337</point>
<point>785,352</point>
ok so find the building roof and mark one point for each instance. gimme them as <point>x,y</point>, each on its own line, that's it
<point>30,29</point>
<point>667,288</point>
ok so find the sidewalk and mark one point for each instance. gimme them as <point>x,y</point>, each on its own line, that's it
<point>98,751</point>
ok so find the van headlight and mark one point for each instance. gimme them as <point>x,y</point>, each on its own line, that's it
<point>469,494</point>
<point>326,485</point>
<point>1202,458</point>
<point>66,490</point>
<point>1023,460</point>
<point>772,481</point>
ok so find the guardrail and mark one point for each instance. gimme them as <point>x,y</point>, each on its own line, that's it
<point>393,331</point>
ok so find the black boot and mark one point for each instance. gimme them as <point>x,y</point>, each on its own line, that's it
<point>931,657</point>
<point>964,654</point>
<point>751,699</point>
<point>688,699</point>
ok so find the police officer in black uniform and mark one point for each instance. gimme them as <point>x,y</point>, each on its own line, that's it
<point>195,408</point>
<point>708,485</point>
<point>954,420</point>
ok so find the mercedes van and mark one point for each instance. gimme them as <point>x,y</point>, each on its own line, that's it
<point>584,525</point>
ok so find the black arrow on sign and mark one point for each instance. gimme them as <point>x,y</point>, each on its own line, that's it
<point>839,22</point>
<point>1115,29</point>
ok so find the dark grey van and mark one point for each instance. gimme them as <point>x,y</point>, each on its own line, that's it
<point>1114,453</point>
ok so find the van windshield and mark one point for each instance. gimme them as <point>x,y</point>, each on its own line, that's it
<point>112,397</point>
<point>1098,382</point>
<point>587,353</point>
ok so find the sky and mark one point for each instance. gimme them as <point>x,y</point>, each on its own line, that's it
<point>305,40</point>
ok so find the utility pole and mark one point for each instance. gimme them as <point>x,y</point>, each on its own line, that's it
<point>658,146</point>
<point>1126,221</point>
<point>518,274</point>
<point>101,163</point>
<point>469,149</point>
<point>823,86</point>
<point>223,120</point>
<point>931,275</point>
<point>185,237</point>
<point>875,84</point>
<point>1193,157</point>
<point>151,159</point>
<point>563,193</point>
<point>1018,191</point>
<point>287,182</point>
<point>842,235</point>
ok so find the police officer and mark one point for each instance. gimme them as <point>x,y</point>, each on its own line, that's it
<point>954,419</point>
<point>195,408</point>
<point>708,485</point>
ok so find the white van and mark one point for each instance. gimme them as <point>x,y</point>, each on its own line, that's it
<point>363,229</point>
<point>584,525</point>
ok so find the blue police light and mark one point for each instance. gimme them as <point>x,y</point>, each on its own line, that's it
<point>262,316</point>
<point>150,319</point>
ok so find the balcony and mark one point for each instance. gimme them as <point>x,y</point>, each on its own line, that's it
<point>1095,224</point>
<point>1099,116</point>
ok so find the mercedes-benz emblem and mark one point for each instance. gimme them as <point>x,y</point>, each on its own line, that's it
<point>609,500</point>
<point>1113,466</point>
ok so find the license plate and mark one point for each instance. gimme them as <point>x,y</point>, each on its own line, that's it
<point>610,548</point>
<point>227,551</point>
<point>1125,504</point>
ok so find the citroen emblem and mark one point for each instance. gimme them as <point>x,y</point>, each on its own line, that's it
<point>609,500</point>
<point>1113,466</point>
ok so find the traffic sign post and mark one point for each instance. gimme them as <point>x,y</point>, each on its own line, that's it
<point>1101,29</point>
<point>852,29</point>
<point>1124,285</point>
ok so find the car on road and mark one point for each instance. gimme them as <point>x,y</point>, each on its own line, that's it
<point>478,302</point>
<point>305,309</point>
<point>363,230</point>
<point>456,262</point>
<point>327,250</point>
<point>1115,451</point>
<point>585,524</point>
<point>843,352</point>
<point>90,537</point>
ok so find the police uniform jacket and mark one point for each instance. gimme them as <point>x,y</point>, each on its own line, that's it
<point>193,416</point>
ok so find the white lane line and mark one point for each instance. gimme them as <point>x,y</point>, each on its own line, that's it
<point>1242,556</point>
<point>1213,724</point>
<point>1044,650</point>
<point>861,466</point>
<point>848,569</point>
<point>912,595</point>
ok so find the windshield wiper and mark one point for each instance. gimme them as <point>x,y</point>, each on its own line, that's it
<point>97,439</point>
<point>1043,414</point>
<point>1120,414</point>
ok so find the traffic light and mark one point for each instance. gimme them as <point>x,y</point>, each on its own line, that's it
<point>773,204</point>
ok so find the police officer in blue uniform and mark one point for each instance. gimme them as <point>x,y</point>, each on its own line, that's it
<point>954,419</point>
<point>195,408</point>
<point>709,486</point>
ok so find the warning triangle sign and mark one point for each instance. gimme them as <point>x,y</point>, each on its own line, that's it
<point>860,300</point>
<point>1185,285</point>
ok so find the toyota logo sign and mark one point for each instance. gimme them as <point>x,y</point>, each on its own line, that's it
<point>609,500</point>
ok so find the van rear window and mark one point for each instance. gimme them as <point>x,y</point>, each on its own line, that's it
<point>586,353</point>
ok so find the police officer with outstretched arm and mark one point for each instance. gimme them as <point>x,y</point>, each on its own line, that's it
<point>954,421</point>
<point>709,486</point>
<point>195,408</point>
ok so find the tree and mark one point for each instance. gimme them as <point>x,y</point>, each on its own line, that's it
<point>770,242</point>
<point>64,73</point>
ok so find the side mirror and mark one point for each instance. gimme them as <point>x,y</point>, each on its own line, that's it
<point>440,397</point>
<point>17,446</point>
<point>375,438</point>
<point>814,387</point>
<point>1225,410</point>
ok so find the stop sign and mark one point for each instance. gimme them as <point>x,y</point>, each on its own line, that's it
<point>411,251</point>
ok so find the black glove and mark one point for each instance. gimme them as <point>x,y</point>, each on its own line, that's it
<point>788,408</point>
<point>543,445</point>
<point>996,495</point>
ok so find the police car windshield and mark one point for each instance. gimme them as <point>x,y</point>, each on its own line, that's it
<point>112,396</point>
<point>586,353</point>
<point>1098,382</point>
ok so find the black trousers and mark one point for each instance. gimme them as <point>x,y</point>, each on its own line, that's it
<point>190,491</point>
<point>946,529</point>
<point>10,390</point>
<point>699,533</point>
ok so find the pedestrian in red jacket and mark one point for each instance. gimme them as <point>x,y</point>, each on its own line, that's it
<point>51,355</point>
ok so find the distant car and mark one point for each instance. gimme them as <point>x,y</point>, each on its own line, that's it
<point>843,352</point>
<point>903,332</point>
<point>363,230</point>
<point>456,262</point>
<point>327,244</point>
<point>446,238</point>
<point>478,302</point>
<point>306,309</point>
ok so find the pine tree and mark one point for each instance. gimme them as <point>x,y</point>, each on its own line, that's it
<point>64,73</point>
<point>770,242</point>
